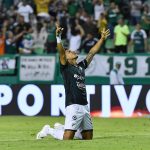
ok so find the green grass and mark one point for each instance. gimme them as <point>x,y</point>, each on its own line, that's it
<point>18,133</point>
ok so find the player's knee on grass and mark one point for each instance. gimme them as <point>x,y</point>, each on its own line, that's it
<point>68,135</point>
<point>87,135</point>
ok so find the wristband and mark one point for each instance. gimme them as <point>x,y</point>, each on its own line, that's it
<point>58,38</point>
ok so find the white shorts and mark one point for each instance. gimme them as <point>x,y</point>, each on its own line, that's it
<point>78,118</point>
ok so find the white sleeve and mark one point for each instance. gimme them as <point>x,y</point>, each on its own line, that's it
<point>120,79</point>
<point>144,34</point>
<point>132,35</point>
<point>30,9</point>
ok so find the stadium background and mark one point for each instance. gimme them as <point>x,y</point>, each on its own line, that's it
<point>28,53</point>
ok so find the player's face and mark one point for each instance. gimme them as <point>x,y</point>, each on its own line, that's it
<point>138,27</point>
<point>120,21</point>
<point>71,55</point>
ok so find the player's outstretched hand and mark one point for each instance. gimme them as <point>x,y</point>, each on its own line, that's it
<point>105,33</point>
<point>58,30</point>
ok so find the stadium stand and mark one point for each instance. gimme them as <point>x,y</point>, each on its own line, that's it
<point>27,27</point>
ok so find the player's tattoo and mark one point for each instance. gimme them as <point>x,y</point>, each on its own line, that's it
<point>89,57</point>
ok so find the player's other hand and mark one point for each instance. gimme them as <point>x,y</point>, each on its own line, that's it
<point>105,33</point>
<point>58,29</point>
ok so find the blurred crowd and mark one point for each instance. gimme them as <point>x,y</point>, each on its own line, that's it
<point>28,26</point>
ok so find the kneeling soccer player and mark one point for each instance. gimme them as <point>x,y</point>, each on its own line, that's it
<point>78,121</point>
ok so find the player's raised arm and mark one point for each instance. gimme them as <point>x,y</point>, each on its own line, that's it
<point>97,46</point>
<point>60,48</point>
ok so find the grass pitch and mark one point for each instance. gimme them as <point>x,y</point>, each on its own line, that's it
<point>18,133</point>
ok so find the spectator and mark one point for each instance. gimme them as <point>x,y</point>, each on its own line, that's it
<point>25,46</point>
<point>51,40</point>
<point>11,46</point>
<point>19,27</point>
<point>77,33</point>
<point>42,7</point>
<point>118,2</point>
<point>98,9</point>
<point>112,15</point>
<point>7,3</point>
<point>73,7</point>
<point>139,39</point>
<point>135,11</point>
<point>88,6</point>
<point>124,7</point>
<point>146,2</point>
<point>39,38</point>
<point>6,25</point>
<point>60,8</point>
<point>2,43</point>
<point>2,16</point>
<point>53,9</point>
<point>90,26</point>
<point>115,76</point>
<point>3,38</point>
<point>16,2</point>
<point>11,13</point>
<point>145,20</point>
<point>88,42</point>
<point>83,16</point>
<point>88,12</point>
<point>121,33</point>
<point>25,10</point>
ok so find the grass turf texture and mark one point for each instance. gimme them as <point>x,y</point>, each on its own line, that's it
<point>18,133</point>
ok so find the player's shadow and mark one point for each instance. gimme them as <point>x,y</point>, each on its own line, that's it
<point>102,137</point>
<point>106,137</point>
